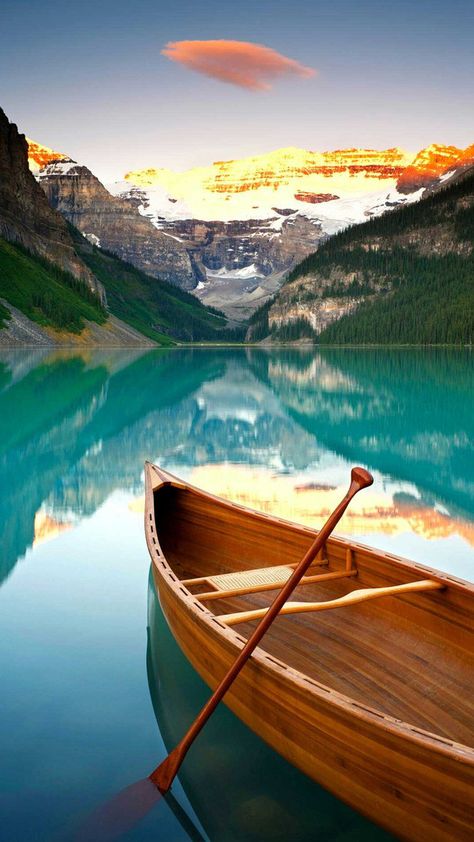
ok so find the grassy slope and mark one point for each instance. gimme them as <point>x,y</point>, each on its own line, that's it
<point>423,299</point>
<point>53,298</point>
<point>44,293</point>
<point>156,308</point>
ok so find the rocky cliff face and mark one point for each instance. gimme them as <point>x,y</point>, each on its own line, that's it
<point>315,198</point>
<point>25,214</point>
<point>319,316</point>
<point>306,301</point>
<point>270,245</point>
<point>115,224</point>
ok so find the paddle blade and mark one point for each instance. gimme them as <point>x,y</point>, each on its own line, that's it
<point>164,774</point>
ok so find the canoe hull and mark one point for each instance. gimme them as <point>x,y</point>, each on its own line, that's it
<point>415,787</point>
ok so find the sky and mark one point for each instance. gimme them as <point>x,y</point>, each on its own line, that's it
<point>122,85</point>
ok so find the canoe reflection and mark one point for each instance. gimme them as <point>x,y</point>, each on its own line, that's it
<point>238,787</point>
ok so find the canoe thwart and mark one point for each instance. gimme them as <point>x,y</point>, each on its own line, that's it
<point>352,598</point>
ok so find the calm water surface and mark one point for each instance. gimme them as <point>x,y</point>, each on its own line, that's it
<point>93,686</point>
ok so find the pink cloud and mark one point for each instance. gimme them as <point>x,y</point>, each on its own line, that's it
<point>241,63</point>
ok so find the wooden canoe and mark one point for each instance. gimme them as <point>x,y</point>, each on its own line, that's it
<point>373,698</point>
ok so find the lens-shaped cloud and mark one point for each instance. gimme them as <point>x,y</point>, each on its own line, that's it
<point>241,63</point>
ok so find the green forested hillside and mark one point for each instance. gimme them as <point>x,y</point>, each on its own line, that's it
<point>430,301</point>
<point>453,206</point>
<point>157,309</point>
<point>45,293</point>
<point>410,271</point>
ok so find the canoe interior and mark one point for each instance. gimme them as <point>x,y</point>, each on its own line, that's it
<point>411,657</point>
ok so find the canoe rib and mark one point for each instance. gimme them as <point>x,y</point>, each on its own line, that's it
<point>362,595</point>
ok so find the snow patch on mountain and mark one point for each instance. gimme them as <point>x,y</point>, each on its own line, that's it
<point>92,239</point>
<point>339,214</point>
<point>245,273</point>
<point>64,166</point>
<point>154,202</point>
<point>446,175</point>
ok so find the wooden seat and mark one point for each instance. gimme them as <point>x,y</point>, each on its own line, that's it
<point>245,578</point>
<point>260,579</point>
<point>250,578</point>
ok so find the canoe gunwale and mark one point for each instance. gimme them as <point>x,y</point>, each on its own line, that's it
<point>156,478</point>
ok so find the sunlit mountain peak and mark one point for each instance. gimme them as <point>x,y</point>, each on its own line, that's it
<point>255,187</point>
<point>434,162</point>
<point>39,155</point>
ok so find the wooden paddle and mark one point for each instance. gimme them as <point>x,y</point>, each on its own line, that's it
<point>165,773</point>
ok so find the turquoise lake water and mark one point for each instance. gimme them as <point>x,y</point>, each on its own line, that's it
<point>93,686</point>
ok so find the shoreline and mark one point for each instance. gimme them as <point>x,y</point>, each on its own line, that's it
<point>257,346</point>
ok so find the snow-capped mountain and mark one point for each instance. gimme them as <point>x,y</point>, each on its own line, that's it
<point>249,221</point>
<point>336,188</point>
<point>259,187</point>
<point>245,223</point>
<point>40,156</point>
<point>115,224</point>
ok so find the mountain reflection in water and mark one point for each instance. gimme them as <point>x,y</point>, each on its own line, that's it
<point>73,428</point>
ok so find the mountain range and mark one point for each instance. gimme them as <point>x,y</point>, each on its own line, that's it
<point>300,242</point>
<point>232,231</point>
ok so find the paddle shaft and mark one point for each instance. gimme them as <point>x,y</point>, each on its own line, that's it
<point>165,773</point>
